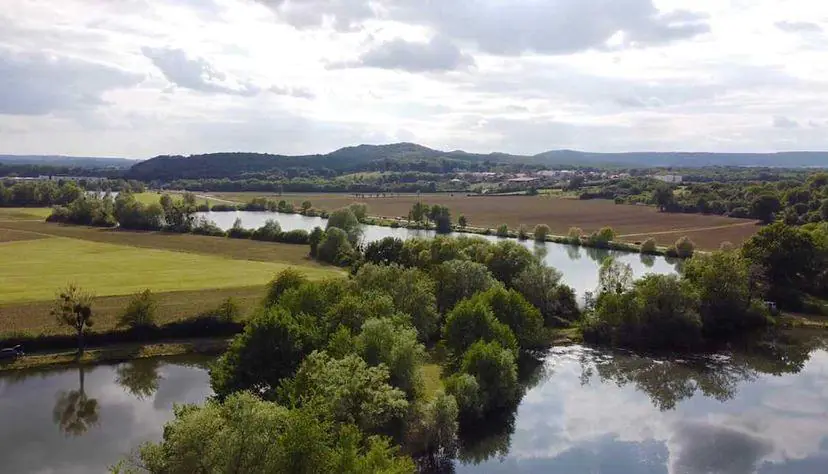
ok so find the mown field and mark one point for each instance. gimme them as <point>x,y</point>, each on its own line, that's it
<point>633,223</point>
<point>190,274</point>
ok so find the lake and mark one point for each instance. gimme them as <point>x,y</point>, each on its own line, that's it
<point>579,265</point>
<point>585,410</point>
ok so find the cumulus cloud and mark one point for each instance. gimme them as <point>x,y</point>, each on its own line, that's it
<point>438,54</point>
<point>194,73</point>
<point>798,26</point>
<point>37,84</point>
<point>784,122</point>
<point>702,448</point>
<point>344,15</point>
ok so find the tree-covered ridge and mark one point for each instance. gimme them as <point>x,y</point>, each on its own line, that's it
<point>402,157</point>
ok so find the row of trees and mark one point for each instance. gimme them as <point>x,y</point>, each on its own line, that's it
<point>38,193</point>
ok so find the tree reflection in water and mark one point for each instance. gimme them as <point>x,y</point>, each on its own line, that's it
<point>573,252</point>
<point>139,377</point>
<point>648,260</point>
<point>669,381</point>
<point>74,411</point>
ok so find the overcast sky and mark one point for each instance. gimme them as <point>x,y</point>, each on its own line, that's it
<point>137,78</point>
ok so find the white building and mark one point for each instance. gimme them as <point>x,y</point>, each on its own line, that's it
<point>669,178</point>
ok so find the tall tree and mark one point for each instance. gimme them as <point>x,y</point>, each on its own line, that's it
<point>73,308</point>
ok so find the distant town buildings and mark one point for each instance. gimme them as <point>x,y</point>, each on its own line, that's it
<point>669,178</point>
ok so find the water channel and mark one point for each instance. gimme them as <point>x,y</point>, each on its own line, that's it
<point>579,265</point>
<point>585,411</point>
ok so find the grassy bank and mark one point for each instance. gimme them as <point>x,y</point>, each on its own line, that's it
<point>119,353</point>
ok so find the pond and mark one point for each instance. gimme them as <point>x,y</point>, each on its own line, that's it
<point>579,265</point>
<point>585,410</point>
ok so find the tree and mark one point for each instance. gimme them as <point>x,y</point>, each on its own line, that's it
<point>140,311</point>
<point>614,277</point>
<point>728,287</point>
<point>284,280</point>
<point>765,207</point>
<point>73,308</point>
<point>540,232</point>
<point>412,291</point>
<point>346,391</point>
<point>512,309</point>
<point>315,238</point>
<point>246,434</point>
<point>507,259</point>
<point>461,221</point>
<point>503,230</point>
<point>360,210</point>
<point>384,251</point>
<point>441,217</point>
<point>523,232</point>
<point>574,235</point>
<point>306,206</point>
<point>335,247</point>
<point>346,220</point>
<point>419,212</point>
<point>391,342</point>
<point>471,321</point>
<point>541,286</point>
<point>495,370</point>
<point>459,279</point>
<point>272,346</point>
<point>789,257</point>
<point>663,197</point>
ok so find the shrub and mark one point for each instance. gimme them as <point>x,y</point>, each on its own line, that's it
<point>314,239</point>
<point>462,222</point>
<point>224,208</point>
<point>269,232</point>
<point>296,236</point>
<point>495,371</point>
<point>540,232</point>
<point>228,311</point>
<point>574,235</point>
<point>602,238</point>
<point>140,311</point>
<point>503,231</point>
<point>239,232</point>
<point>283,281</point>
<point>471,321</point>
<point>346,220</point>
<point>684,247</point>
<point>207,227</point>
<point>523,232</point>
<point>335,247</point>
<point>649,246</point>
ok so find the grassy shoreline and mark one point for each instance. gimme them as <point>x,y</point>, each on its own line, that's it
<point>116,353</point>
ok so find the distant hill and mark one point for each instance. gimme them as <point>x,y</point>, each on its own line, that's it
<point>67,161</point>
<point>403,156</point>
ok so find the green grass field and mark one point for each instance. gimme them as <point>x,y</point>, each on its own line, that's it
<point>25,213</point>
<point>34,269</point>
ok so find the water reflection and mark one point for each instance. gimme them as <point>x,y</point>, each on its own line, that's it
<point>74,411</point>
<point>648,260</point>
<point>139,377</point>
<point>759,410</point>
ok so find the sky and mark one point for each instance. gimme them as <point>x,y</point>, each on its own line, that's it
<point>139,78</point>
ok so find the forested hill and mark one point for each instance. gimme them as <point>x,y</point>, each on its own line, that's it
<point>77,162</point>
<point>413,157</point>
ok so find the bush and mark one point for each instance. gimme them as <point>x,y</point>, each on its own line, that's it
<point>684,247</point>
<point>269,232</point>
<point>471,321</point>
<point>335,247</point>
<point>239,232</point>
<point>206,227</point>
<point>285,280</point>
<point>346,220</point>
<point>495,371</point>
<point>649,246</point>
<point>296,236</point>
<point>523,232</point>
<point>602,238</point>
<point>503,231</point>
<point>540,232</point>
<point>574,235</point>
<point>228,311</point>
<point>140,311</point>
<point>224,208</point>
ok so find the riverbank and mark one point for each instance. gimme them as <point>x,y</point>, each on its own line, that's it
<point>119,353</point>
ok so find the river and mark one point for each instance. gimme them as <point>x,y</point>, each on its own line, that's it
<point>585,411</point>
<point>579,265</point>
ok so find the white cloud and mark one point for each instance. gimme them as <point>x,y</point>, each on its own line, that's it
<point>523,76</point>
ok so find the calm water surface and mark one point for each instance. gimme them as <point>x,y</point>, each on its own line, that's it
<point>585,411</point>
<point>579,265</point>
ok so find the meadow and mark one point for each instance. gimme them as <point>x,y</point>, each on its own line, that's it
<point>632,223</point>
<point>189,274</point>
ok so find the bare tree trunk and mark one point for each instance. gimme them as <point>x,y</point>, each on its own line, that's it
<point>80,342</point>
